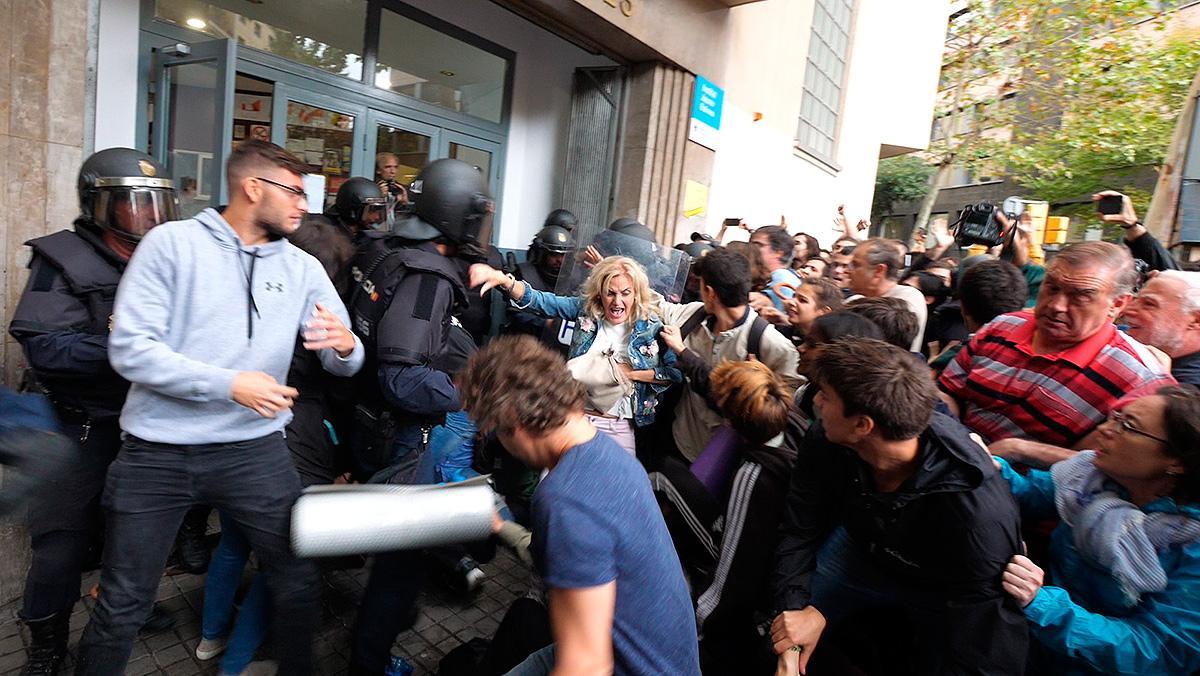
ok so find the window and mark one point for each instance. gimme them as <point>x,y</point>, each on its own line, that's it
<point>823,77</point>
<point>427,64</point>
<point>325,34</point>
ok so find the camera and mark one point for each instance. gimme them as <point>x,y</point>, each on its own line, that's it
<point>977,224</point>
<point>394,188</point>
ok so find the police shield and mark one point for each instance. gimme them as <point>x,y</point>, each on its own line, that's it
<point>666,268</point>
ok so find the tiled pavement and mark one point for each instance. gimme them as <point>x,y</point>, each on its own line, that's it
<point>445,621</point>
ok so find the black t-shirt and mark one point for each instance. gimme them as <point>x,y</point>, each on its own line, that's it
<point>1186,369</point>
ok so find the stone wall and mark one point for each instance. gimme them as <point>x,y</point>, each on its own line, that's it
<point>43,75</point>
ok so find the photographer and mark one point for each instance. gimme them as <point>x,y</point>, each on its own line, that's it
<point>387,165</point>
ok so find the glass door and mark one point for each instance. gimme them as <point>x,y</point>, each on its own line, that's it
<point>398,148</point>
<point>323,132</point>
<point>192,121</point>
<point>399,141</point>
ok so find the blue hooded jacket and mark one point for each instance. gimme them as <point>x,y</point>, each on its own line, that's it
<point>1079,614</point>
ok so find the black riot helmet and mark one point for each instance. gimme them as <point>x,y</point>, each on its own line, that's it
<point>126,192</point>
<point>696,249</point>
<point>552,239</point>
<point>562,218</point>
<point>450,200</point>
<point>632,228</point>
<point>360,203</point>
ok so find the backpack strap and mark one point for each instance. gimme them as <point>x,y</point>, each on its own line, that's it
<point>693,323</point>
<point>754,340</point>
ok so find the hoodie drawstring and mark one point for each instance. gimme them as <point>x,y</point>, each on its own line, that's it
<point>251,305</point>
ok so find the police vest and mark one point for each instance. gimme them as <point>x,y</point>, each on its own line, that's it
<point>382,263</point>
<point>91,277</point>
<point>91,280</point>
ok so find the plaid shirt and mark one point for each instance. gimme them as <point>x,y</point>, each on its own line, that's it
<point>1005,390</point>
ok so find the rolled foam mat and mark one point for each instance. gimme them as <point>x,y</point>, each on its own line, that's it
<point>363,519</point>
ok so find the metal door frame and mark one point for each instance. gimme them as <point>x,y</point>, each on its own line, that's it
<point>223,53</point>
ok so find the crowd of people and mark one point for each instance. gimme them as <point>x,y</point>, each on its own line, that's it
<point>864,459</point>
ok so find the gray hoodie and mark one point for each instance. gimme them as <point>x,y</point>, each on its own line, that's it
<point>196,306</point>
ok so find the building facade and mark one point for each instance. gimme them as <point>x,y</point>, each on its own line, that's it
<point>965,103</point>
<point>679,113</point>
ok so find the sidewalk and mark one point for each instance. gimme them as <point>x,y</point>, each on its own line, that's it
<point>445,621</point>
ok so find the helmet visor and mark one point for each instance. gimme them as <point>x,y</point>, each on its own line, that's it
<point>130,212</point>
<point>374,213</point>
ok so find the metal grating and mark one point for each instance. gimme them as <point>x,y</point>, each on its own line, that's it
<point>591,146</point>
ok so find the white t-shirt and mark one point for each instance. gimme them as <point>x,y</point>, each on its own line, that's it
<point>614,338</point>
<point>916,302</point>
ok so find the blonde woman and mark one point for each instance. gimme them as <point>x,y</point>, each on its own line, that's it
<point>614,351</point>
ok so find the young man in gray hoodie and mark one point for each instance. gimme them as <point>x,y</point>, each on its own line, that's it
<point>205,322</point>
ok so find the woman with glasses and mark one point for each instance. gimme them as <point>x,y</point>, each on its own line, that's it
<point>1121,593</point>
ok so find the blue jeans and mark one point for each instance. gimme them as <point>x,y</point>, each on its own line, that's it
<point>149,489</point>
<point>451,451</point>
<point>220,588</point>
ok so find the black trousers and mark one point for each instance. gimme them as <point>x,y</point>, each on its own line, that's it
<point>63,520</point>
<point>150,487</point>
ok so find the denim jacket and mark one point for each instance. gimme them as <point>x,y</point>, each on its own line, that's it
<point>644,350</point>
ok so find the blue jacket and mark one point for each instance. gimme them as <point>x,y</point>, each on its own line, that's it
<point>1082,620</point>
<point>644,352</point>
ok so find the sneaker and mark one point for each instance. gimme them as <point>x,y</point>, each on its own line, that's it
<point>210,648</point>
<point>473,579</point>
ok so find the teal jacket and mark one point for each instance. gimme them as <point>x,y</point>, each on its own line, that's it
<point>644,349</point>
<point>1079,617</point>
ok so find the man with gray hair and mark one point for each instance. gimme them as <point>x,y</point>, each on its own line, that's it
<point>875,272</point>
<point>1035,383</point>
<point>1165,314</point>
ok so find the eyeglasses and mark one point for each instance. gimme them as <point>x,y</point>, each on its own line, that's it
<point>1124,425</point>
<point>297,192</point>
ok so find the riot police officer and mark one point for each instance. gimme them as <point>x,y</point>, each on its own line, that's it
<point>360,206</point>
<point>62,321</point>
<point>407,290</point>
<point>540,270</point>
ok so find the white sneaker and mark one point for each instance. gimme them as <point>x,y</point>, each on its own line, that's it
<point>474,580</point>
<point>209,648</point>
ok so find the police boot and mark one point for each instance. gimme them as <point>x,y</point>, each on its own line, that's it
<point>191,546</point>
<point>48,646</point>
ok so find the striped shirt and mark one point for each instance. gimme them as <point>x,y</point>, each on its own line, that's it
<point>1005,390</point>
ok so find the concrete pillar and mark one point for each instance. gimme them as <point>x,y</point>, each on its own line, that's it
<point>43,69</point>
<point>656,159</point>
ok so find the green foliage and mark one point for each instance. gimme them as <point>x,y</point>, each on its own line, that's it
<point>308,51</point>
<point>899,179</point>
<point>1090,89</point>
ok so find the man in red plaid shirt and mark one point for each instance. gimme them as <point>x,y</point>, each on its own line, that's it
<point>1035,384</point>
